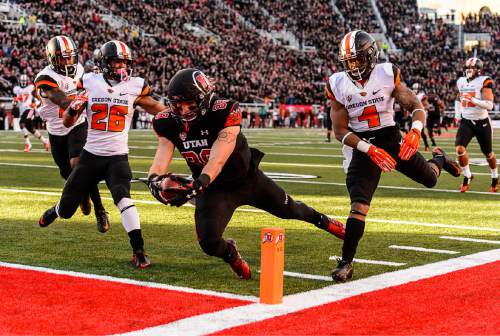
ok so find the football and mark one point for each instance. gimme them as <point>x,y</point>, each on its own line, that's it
<point>169,183</point>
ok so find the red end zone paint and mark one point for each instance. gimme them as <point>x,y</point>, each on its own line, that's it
<point>42,303</point>
<point>457,303</point>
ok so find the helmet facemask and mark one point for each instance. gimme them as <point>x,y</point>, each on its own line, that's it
<point>359,65</point>
<point>65,64</point>
<point>473,68</point>
<point>23,81</point>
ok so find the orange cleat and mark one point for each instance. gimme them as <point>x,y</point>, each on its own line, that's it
<point>466,183</point>
<point>27,148</point>
<point>494,185</point>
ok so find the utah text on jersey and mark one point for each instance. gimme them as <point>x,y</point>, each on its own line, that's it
<point>369,107</point>
<point>50,111</point>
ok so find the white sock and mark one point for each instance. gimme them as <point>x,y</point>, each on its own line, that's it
<point>466,171</point>
<point>494,173</point>
<point>129,214</point>
<point>40,136</point>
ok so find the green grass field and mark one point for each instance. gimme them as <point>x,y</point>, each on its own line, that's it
<point>399,206</point>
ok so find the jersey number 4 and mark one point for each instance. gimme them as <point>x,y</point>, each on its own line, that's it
<point>371,114</point>
<point>111,119</point>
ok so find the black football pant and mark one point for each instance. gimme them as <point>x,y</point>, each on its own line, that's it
<point>90,170</point>
<point>363,175</point>
<point>215,207</point>
<point>66,147</point>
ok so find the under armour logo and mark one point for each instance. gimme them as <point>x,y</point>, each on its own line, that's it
<point>205,132</point>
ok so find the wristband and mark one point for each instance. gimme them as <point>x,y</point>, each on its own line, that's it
<point>363,146</point>
<point>418,125</point>
<point>345,137</point>
<point>203,180</point>
<point>486,104</point>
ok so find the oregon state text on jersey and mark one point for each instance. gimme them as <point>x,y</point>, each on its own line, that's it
<point>371,107</point>
<point>473,89</point>
<point>109,112</point>
<point>24,97</point>
<point>195,142</point>
<point>49,111</point>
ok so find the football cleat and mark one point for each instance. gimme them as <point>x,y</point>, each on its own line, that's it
<point>238,265</point>
<point>27,148</point>
<point>333,226</point>
<point>494,185</point>
<point>449,164</point>
<point>466,183</point>
<point>48,217</point>
<point>102,219</point>
<point>140,259</point>
<point>85,206</point>
<point>343,272</point>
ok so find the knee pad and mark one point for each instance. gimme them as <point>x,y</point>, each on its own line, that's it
<point>213,247</point>
<point>430,180</point>
<point>64,211</point>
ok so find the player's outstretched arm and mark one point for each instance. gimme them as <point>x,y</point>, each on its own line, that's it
<point>163,156</point>
<point>340,122</point>
<point>150,105</point>
<point>407,98</point>
<point>55,95</point>
<point>222,149</point>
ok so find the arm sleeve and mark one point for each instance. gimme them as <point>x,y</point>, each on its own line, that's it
<point>233,117</point>
<point>397,75</point>
<point>488,83</point>
<point>45,81</point>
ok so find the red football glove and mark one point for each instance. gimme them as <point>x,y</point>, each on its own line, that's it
<point>381,159</point>
<point>80,100</point>
<point>410,144</point>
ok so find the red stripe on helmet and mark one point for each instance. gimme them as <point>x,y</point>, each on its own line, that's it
<point>123,46</point>
<point>348,45</point>
<point>66,44</point>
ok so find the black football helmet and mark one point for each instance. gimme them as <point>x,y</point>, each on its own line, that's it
<point>115,50</point>
<point>23,80</point>
<point>473,68</point>
<point>358,54</point>
<point>189,93</point>
<point>62,55</point>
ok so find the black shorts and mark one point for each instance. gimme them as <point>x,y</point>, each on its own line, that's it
<point>90,170</point>
<point>215,207</point>
<point>363,175</point>
<point>66,147</point>
<point>27,120</point>
<point>481,129</point>
<point>433,122</point>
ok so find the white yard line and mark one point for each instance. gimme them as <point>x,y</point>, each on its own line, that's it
<point>299,181</point>
<point>307,276</point>
<point>238,316</point>
<point>377,220</point>
<point>473,240</point>
<point>130,282</point>
<point>373,262</point>
<point>422,249</point>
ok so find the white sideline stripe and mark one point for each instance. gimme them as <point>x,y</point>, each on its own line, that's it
<point>373,262</point>
<point>130,282</point>
<point>474,240</point>
<point>388,221</point>
<point>233,317</point>
<point>422,249</point>
<point>306,276</point>
<point>299,181</point>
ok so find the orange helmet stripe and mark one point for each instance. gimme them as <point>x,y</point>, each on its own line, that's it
<point>123,46</point>
<point>66,44</point>
<point>348,45</point>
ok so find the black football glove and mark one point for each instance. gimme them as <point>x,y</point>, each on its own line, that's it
<point>154,185</point>
<point>188,189</point>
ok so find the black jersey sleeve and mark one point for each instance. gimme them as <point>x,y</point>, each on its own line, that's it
<point>165,125</point>
<point>226,113</point>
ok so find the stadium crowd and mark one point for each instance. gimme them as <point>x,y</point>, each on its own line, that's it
<point>245,65</point>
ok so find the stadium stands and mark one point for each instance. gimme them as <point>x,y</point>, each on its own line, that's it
<point>231,46</point>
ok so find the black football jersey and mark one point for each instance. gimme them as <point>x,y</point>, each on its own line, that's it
<point>194,141</point>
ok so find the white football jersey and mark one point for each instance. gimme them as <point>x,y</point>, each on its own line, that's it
<point>49,111</point>
<point>473,89</point>
<point>24,97</point>
<point>109,113</point>
<point>369,107</point>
